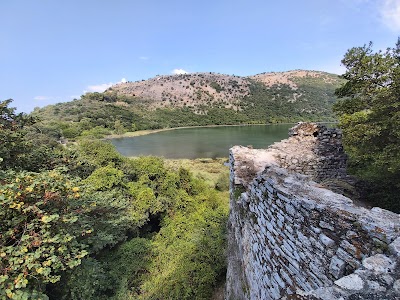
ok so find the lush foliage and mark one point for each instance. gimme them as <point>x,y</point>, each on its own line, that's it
<point>276,104</point>
<point>91,224</point>
<point>370,118</point>
<point>25,145</point>
<point>40,231</point>
<point>188,273</point>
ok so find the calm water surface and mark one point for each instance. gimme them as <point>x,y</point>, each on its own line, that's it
<point>204,142</point>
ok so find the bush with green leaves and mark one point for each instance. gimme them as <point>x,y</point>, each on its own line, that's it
<point>97,132</point>
<point>105,178</point>
<point>99,153</point>
<point>197,267</point>
<point>41,231</point>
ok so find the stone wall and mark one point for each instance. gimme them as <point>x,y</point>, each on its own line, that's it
<point>312,149</point>
<point>291,238</point>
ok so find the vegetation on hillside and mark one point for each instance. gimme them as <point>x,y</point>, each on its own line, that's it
<point>83,222</point>
<point>98,114</point>
<point>276,104</point>
<point>369,114</point>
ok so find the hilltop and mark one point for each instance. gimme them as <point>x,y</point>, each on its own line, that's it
<point>202,99</point>
<point>190,90</point>
<point>196,89</point>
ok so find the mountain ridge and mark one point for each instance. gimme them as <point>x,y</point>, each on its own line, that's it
<point>193,89</point>
<point>198,99</point>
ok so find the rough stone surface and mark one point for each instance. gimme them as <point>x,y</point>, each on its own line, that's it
<point>395,247</point>
<point>351,282</point>
<point>396,286</point>
<point>337,267</point>
<point>312,149</point>
<point>291,238</point>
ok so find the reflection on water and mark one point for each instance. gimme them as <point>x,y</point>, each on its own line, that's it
<point>204,142</point>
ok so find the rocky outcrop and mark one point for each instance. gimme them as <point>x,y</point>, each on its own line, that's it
<point>292,238</point>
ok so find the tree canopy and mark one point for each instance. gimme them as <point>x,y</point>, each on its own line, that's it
<point>369,114</point>
<point>83,222</point>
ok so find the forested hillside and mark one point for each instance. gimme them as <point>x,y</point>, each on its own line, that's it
<point>196,99</point>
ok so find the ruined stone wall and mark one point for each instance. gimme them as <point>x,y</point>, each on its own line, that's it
<point>313,149</point>
<point>291,238</point>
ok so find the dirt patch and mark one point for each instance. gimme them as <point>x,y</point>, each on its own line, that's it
<point>276,78</point>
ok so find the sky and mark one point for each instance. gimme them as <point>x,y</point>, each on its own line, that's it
<point>55,51</point>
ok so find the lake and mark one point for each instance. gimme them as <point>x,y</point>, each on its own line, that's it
<point>201,142</point>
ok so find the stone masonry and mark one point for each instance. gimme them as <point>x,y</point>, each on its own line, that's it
<point>291,238</point>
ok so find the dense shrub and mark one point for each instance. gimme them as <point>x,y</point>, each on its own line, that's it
<point>102,226</point>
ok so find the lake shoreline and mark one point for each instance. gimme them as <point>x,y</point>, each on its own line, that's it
<point>200,141</point>
<point>150,131</point>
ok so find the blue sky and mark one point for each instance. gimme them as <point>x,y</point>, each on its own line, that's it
<point>54,51</point>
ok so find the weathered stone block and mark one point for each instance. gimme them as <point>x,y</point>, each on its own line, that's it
<point>348,258</point>
<point>337,267</point>
<point>396,286</point>
<point>350,282</point>
<point>303,239</point>
<point>315,229</point>
<point>327,241</point>
<point>374,286</point>
<point>394,247</point>
<point>326,225</point>
<point>350,248</point>
<point>315,280</point>
<point>278,280</point>
<point>379,263</point>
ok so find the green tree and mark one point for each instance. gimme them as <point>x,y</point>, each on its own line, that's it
<point>13,147</point>
<point>99,153</point>
<point>105,178</point>
<point>118,127</point>
<point>23,146</point>
<point>369,114</point>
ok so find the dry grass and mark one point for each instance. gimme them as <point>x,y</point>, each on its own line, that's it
<point>136,133</point>
<point>207,169</point>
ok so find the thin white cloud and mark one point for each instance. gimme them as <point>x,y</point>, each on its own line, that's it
<point>99,88</point>
<point>179,71</point>
<point>390,14</point>
<point>143,57</point>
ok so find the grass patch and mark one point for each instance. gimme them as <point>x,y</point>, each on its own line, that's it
<point>207,169</point>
